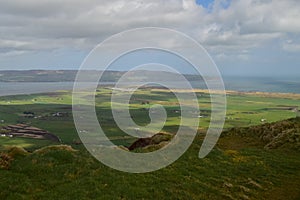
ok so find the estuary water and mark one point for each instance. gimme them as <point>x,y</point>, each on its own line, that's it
<point>243,84</point>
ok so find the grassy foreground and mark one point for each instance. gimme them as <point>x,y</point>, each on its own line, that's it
<point>240,167</point>
<point>245,172</point>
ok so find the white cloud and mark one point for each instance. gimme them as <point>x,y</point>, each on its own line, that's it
<point>34,25</point>
<point>290,46</point>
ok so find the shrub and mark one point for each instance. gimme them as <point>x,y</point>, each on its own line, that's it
<point>5,161</point>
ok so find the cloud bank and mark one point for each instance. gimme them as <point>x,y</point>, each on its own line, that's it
<point>235,32</point>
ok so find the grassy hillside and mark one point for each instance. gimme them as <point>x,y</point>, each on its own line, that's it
<point>235,169</point>
<point>252,160</point>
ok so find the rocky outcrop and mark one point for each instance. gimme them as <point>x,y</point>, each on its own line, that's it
<point>154,140</point>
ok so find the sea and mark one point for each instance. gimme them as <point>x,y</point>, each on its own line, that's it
<point>242,84</point>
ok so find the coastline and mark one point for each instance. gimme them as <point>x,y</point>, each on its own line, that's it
<point>28,88</point>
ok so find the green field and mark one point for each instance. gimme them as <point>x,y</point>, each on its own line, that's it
<point>242,110</point>
<point>238,168</point>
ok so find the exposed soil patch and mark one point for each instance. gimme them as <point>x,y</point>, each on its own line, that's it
<point>27,131</point>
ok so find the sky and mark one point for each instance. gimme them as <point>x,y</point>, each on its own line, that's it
<point>244,37</point>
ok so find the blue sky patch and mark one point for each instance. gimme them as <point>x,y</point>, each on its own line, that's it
<point>205,3</point>
<point>208,3</point>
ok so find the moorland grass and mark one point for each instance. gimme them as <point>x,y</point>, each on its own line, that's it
<point>238,167</point>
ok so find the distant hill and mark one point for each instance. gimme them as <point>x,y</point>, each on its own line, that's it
<point>70,75</point>
<point>38,75</point>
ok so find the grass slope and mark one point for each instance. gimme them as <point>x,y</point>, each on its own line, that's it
<point>246,172</point>
<point>240,167</point>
